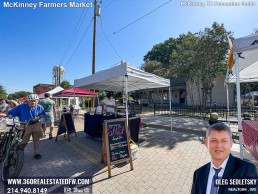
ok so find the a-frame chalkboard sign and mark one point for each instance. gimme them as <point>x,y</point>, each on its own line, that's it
<point>66,126</point>
<point>116,139</point>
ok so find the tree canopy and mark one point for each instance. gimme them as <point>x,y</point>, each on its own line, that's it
<point>3,93</point>
<point>17,95</point>
<point>198,57</point>
<point>65,84</point>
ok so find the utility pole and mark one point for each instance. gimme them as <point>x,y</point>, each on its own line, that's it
<point>96,13</point>
<point>94,37</point>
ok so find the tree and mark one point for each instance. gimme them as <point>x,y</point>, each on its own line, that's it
<point>65,84</point>
<point>201,58</point>
<point>18,95</point>
<point>154,67</point>
<point>3,93</point>
<point>157,60</point>
<point>198,57</point>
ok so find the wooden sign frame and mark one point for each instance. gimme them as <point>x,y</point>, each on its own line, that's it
<point>105,142</point>
<point>66,128</point>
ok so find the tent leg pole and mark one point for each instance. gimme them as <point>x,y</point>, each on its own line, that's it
<point>228,119</point>
<point>170,112</point>
<point>239,105</point>
<point>126,99</point>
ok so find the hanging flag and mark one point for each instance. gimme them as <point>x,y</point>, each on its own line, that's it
<point>230,61</point>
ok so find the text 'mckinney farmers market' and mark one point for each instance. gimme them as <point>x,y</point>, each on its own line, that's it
<point>41,4</point>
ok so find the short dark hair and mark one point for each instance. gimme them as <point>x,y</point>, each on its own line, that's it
<point>109,95</point>
<point>219,127</point>
<point>47,95</point>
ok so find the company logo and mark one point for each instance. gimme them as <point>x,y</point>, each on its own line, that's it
<point>255,42</point>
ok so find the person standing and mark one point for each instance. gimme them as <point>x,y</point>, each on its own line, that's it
<point>49,118</point>
<point>223,164</point>
<point>11,104</point>
<point>30,112</point>
<point>3,105</point>
<point>108,104</point>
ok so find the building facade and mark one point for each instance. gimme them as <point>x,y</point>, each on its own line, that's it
<point>42,88</point>
<point>188,93</point>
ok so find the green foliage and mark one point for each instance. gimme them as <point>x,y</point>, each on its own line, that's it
<point>161,52</point>
<point>65,84</point>
<point>18,95</point>
<point>198,57</point>
<point>3,93</point>
<point>155,67</point>
<point>248,87</point>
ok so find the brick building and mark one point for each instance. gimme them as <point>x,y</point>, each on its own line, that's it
<point>41,88</point>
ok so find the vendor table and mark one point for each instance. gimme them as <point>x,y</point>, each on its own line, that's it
<point>93,125</point>
<point>250,136</point>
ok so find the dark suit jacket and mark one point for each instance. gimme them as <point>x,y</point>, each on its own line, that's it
<point>235,168</point>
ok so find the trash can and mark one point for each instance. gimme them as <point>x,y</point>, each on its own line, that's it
<point>247,116</point>
<point>134,150</point>
<point>213,118</point>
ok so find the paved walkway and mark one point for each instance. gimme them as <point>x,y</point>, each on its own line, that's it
<point>165,161</point>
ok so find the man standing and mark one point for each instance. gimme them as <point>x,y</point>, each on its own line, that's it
<point>108,104</point>
<point>49,118</point>
<point>223,164</point>
<point>30,112</point>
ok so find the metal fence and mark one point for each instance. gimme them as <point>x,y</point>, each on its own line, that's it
<point>202,111</point>
<point>135,108</point>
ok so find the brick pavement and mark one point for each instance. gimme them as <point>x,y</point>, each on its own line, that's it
<point>165,164</point>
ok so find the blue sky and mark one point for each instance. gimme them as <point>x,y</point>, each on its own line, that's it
<point>32,41</point>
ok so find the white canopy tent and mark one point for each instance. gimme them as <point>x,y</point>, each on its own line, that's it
<point>123,77</point>
<point>246,70</point>
<point>55,90</point>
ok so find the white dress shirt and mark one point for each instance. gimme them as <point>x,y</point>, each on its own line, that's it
<point>109,102</point>
<point>212,173</point>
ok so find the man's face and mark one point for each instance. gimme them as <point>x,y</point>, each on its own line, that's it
<point>32,103</point>
<point>219,145</point>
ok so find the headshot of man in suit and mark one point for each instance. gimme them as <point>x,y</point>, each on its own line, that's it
<point>223,164</point>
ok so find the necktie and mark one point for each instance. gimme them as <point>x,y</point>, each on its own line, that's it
<point>214,188</point>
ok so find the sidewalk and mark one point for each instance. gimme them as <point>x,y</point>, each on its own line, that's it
<point>180,124</point>
<point>194,126</point>
<point>165,161</point>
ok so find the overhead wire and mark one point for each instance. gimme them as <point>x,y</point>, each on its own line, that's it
<point>116,32</point>
<point>75,32</point>
<point>107,5</point>
<point>79,42</point>
<point>109,40</point>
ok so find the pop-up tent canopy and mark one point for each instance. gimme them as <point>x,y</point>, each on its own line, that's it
<point>22,99</point>
<point>51,92</point>
<point>123,77</point>
<point>247,48</point>
<point>246,70</point>
<point>72,92</point>
<point>113,79</point>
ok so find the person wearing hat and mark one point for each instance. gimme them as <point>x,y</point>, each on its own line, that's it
<point>108,104</point>
<point>11,104</point>
<point>30,112</point>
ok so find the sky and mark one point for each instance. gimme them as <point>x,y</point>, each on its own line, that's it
<point>34,40</point>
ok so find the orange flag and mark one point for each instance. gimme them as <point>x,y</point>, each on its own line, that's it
<point>230,61</point>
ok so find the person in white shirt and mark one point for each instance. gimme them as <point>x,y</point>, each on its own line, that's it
<point>3,105</point>
<point>108,104</point>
